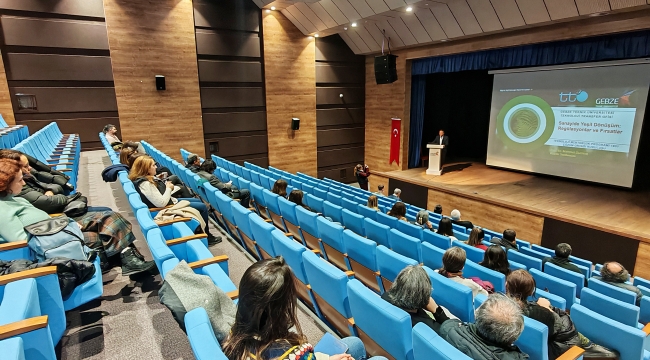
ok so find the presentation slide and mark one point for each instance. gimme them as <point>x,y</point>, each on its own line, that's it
<point>582,123</point>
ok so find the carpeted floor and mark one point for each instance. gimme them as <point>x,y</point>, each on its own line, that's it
<point>128,321</point>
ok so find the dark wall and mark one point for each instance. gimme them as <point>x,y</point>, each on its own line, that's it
<point>58,52</point>
<point>229,49</point>
<point>459,103</point>
<point>339,121</point>
<point>411,193</point>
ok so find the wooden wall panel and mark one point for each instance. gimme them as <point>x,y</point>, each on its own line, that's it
<point>62,99</point>
<point>55,67</point>
<point>50,33</point>
<point>332,96</point>
<point>528,227</point>
<point>290,81</point>
<point>6,109</point>
<point>331,73</point>
<point>338,117</point>
<point>234,122</point>
<point>642,264</point>
<point>375,180</point>
<point>342,136</point>
<point>329,158</point>
<point>148,39</point>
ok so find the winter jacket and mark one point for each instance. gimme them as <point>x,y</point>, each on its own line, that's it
<point>465,338</point>
<point>34,192</point>
<point>110,173</point>
<point>49,175</point>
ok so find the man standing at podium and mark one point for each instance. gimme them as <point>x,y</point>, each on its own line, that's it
<point>441,139</point>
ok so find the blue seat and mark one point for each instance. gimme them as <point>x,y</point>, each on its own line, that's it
<point>376,232</point>
<point>387,220</point>
<point>373,316</point>
<point>329,287</point>
<point>272,206</point>
<point>349,204</point>
<point>333,211</point>
<point>334,199</point>
<point>288,212</point>
<point>567,275</point>
<point>639,281</point>
<point>362,255</point>
<point>292,252</point>
<point>432,256</point>
<point>201,336</point>
<point>435,239</point>
<point>367,212</point>
<point>473,253</point>
<point>242,219</point>
<point>620,311</point>
<point>315,203</point>
<point>405,245</point>
<point>410,229</point>
<point>534,339</point>
<point>455,297</point>
<point>516,266</point>
<point>12,349</point>
<point>353,221</point>
<point>158,246</point>
<point>262,232</point>
<point>332,242</point>
<point>533,253</point>
<point>429,345</point>
<point>390,264</point>
<point>555,300</point>
<point>612,291</point>
<point>257,195</point>
<point>529,261</point>
<point>320,193</point>
<point>496,278</point>
<point>214,271</point>
<point>562,288</point>
<point>307,221</point>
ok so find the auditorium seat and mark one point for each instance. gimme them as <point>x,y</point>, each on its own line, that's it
<point>201,336</point>
<point>307,221</point>
<point>384,329</point>
<point>568,275</point>
<point>334,199</point>
<point>242,217</point>
<point>432,256</point>
<point>473,253</point>
<point>320,193</point>
<point>390,264</point>
<point>262,232</point>
<point>387,220</point>
<point>614,309</point>
<point>405,245</point>
<point>288,212</point>
<point>429,345</point>
<point>376,232</point>
<point>362,255</point>
<point>453,296</point>
<point>562,288</point>
<point>515,265</point>
<point>332,243</point>
<point>353,221</point>
<point>435,239</point>
<point>529,261</point>
<point>410,229</point>
<point>271,202</point>
<point>314,203</point>
<point>333,211</point>
<point>639,281</point>
<point>612,291</point>
<point>349,204</point>
<point>555,300</point>
<point>496,278</point>
<point>291,251</point>
<point>213,270</point>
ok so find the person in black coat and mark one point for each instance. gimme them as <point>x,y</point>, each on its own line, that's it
<point>442,139</point>
<point>206,171</point>
<point>509,240</point>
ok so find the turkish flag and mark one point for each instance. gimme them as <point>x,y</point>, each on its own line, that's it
<point>396,125</point>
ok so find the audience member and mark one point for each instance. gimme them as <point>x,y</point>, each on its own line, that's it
<point>396,194</point>
<point>43,172</point>
<point>156,193</point>
<point>110,131</point>
<point>437,209</point>
<point>509,240</point>
<point>445,228</point>
<point>373,202</point>
<point>106,232</point>
<point>562,334</point>
<point>398,211</point>
<point>266,324</point>
<point>496,259</point>
<point>615,274</point>
<point>422,219</point>
<point>455,219</point>
<point>295,196</point>
<point>453,262</point>
<point>206,171</point>
<point>380,190</point>
<point>561,258</point>
<point>362,172</point>
<point>280,188</point>
<point>193,163</point>
<point>476,238</point>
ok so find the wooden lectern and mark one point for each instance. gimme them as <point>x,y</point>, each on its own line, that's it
<point>435,156</point>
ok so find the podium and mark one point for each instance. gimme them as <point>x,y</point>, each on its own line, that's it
<point>435,156</point>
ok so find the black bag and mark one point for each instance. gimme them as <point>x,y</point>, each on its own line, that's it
<point>76,208</point>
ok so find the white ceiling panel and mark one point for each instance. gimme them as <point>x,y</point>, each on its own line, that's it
<point>311,15</point>
<point>447,20</point>
<point>294,21</point>
<point>334,12</point>
<point>431,25</point>
<point>350,43</point>
<point>464,17</point>
<point>586,7</point>
<point>298,15</point>
<point>376,34</point>
<point>378,6</point>
<point>395,4</point>
<point>533,11</point>
<point>561,9</point>
<point>362,8</point>
<point>347,9</point>
<point>368,38</point>
<point>622,4</point>
<point>403,31</point>
<point>354,36</point>
<point>323,14</point>
<point>485,15</point>
<point>509,13</point>
<point>395,40</point>
<point>416,28</point>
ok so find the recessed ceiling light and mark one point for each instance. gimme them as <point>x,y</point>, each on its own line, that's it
<point>268,11</point>
<point>354,24</point>
<point>272,7</point>
<point>345,28</point>
<point>443,40</point>
<point>409,8</point>
<point>315,35</point>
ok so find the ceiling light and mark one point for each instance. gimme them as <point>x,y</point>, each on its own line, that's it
<point>272,7</point>
<point>443,40</point>
<point>354,24</point>
<point>409,8</point>
<point>310,37</point>
<point>598,14</point>
<point>345,28</point>
<point>268,11</point>
<point>315,35</point>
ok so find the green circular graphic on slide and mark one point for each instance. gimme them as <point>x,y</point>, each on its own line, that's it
<point>525,123</point>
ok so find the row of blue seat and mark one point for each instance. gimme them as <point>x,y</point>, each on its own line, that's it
<point>12,135</point>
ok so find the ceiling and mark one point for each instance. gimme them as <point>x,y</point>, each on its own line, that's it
<point>361,23</point>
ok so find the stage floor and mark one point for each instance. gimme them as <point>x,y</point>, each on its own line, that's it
<point>608,209</point>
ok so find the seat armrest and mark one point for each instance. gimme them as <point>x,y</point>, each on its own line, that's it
<point>22,326</point>
<point>13,245</point>
<point>573,353</point>
<point>233,294</point>
<point>43,271</point>
<point>646,329</point>
<point>183,239</point>
<point>172,221</point>
<point>57,164</point>
<point>56,215</point>
<point>206,262</point>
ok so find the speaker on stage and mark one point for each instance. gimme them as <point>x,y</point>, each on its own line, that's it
<point>385,69</point>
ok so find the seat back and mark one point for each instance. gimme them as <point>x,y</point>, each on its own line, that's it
<point>435,239</point>
<point>410,229</point>
<point>473,253</point>
<point>432,256</point>
<point>496,278</point>
<point>362,254</point>
<point>555,300</point>
<point>529,261</point>
<point>455,297</point>
<point>376,232</point>
<point>333,211</point>
<point>405,245</point>
<point>534,339</point>
<point>567,275</point>
<point>390,264</point>
<point>315,203</point>
<point>349,204</point>
<point>332,241</point>
<point>515,265</point>
<point>612,291</point>
<point>429,345</point>
<point>562,288</point>
<point>262,231</point>
<point>307,221</point>
<point>353,221</point>
<point>201,336</point>
<point>334,199</point>
<point>367,212</point>
<point>387,220</point>
<point>620,311</point>
<point>288,210</point>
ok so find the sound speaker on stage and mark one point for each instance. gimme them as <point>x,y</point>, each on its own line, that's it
<point>441,139</point>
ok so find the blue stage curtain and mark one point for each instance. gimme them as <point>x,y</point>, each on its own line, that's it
<point>418,90</point>
<point>611,47</point>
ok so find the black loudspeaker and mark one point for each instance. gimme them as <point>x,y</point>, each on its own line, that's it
<point>295,124</point>
<point>160,82</point>
<point>385,69</point>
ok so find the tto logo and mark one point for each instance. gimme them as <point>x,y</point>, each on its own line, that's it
<point>580,96</point>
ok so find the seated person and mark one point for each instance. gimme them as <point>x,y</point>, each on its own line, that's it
<point>509,240</point>
<point>380,190</point>
<point>396,194</point>
<point>561,259</point>
<point>183,192</point>
<point>422,219</point>
<point>373,202</point>
<point>445,228</point>
<point>453,262</point>
<point>455,219</point>
<point>437,209</point>
<point>106,232</point>
<point>47,197</point>
<point>562,334</point>
<point>615,274</point>
<point>266,324</point>
<point>476,238</point>
<point>55,180</point>
<point>398,211</point>
<point>280,188</point>
<point>156,193</point>
<point>296,197</point>
<point>110,131</point>
<point>496,259</point>
<point>206,171</point>
<point>193,163</point>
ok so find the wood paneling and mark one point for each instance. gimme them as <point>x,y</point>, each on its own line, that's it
<point>156,38</point>
<point>375,180</point>
<point>6,108</point>
<point>642,264</point>
<point>59,67</point>
<point>54,33</point>
<point>231,97</point>
<point>63,99</point>
<point>227,44</point>
<point>232,15</point>
<point>91,8</point>
<point>230,71</point>
<point>289,63</point>
<point>234,122</point>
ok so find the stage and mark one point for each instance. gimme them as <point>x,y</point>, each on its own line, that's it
<point>543,210</point>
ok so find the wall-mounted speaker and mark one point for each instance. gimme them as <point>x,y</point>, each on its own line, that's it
<point>386,69</point>
<point>160,82</point>
<point>295,124</point>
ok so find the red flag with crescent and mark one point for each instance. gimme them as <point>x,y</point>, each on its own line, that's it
<point>396,125</point>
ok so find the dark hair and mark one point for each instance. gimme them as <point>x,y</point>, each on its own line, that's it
<point>453,261</point>
<point>126,153</point>
<point>437,209</point>
<point>496,259</point>
<point>615,277</point>
<point>107,128</point>
<point>296,197</point>
<point>266,312</point>
<point>10,154</point>
<point>280,188</point>
<point>445,228</point>
<point>411,290</point>
<point>8,170</point>
<point>476,236</point>
<point>134,145</point>
<point>563,250</point>
<point>192,158</point>
<point>380,187</point>
<point>208,166</point>
<point>510,235</point>
<point>398,210</point>
<point>520,284</point>
<point>132,157</point>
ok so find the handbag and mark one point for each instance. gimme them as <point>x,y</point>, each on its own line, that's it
<point>57,237</point>
<point>76,208</point>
